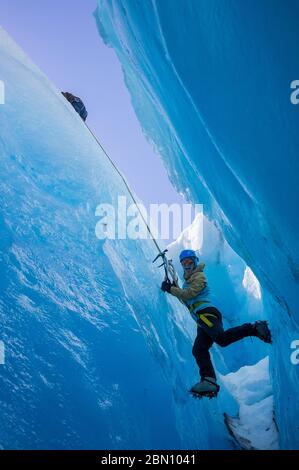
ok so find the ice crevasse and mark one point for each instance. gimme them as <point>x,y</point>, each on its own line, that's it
<point>210,83</point>
<point>96,356</point>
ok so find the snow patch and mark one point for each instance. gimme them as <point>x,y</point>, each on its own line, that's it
<point>251,283</point>
<point>254,427</point>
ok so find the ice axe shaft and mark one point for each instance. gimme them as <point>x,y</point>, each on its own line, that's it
<point>170,273</point>
<point>162,255</point>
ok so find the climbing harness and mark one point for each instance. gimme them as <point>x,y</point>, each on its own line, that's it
<point>202,316</point>
<point>197,304</point>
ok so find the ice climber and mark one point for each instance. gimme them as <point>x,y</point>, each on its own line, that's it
<point>77,104</point>
<point>196,296</point>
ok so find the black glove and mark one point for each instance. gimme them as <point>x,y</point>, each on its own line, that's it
<point>166,285</point>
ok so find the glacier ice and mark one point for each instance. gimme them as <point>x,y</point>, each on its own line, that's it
<point>96,356</point>
<point>210,84</point>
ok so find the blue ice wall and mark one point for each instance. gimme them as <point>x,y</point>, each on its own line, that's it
<point>210,83</point>
<point>96,356</point>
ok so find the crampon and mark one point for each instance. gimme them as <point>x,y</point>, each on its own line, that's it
<point>208,395</point>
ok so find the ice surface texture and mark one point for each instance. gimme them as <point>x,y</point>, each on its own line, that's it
<point>210,83</point>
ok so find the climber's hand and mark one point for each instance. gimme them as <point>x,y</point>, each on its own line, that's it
<point>166,286</point>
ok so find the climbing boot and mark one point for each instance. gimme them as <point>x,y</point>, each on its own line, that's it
<point>206,387</point>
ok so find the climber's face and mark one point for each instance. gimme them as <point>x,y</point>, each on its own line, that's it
<point>188,265</point>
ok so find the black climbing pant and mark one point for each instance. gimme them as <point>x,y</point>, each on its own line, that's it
<point>207,335</point>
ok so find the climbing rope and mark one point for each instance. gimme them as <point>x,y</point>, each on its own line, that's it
<point>128,188</point>
<point>170,273</point>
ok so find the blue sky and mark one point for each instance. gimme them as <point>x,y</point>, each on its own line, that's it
<point>61,37</point>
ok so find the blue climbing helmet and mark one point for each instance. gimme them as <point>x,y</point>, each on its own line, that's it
<point>189,254</point>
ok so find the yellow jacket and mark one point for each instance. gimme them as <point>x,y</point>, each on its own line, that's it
<point>195,283</point>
